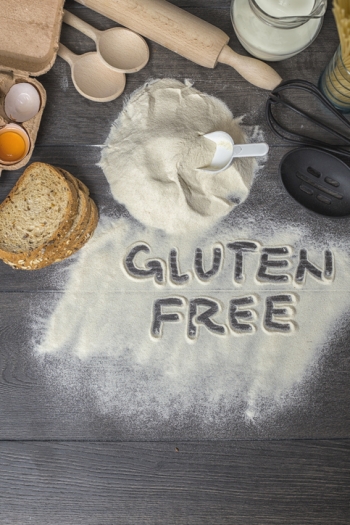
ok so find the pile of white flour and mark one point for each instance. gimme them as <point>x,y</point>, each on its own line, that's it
<point>153,152</point>
<point>100,332</point>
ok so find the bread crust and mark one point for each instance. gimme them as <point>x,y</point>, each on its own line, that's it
<point>84,236</point>
<point>65,251</point>
<point>65,223</point>
<point>64,247</point>
<point>77,228</point>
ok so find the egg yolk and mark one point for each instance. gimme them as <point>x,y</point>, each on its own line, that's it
<point>12,147</point>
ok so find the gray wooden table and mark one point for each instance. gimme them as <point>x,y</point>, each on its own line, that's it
<point>65,464</point>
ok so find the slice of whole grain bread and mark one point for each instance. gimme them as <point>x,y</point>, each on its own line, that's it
<point>84,231</point>
<point>77,182</point>
<point>90,228</point>
<point>63,247</point>
<point>38,212</point>
<point>66,250</point>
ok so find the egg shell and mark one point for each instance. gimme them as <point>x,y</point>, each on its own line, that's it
<point>22,102</point>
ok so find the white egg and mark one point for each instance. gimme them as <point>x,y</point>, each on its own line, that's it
<point>22,102</point>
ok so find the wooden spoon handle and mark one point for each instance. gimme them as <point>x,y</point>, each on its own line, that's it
<point>66,54</point>
<point>255,71</point>
<point>80,25</point>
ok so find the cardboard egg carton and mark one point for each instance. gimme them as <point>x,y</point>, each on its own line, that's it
<point>29,39</point>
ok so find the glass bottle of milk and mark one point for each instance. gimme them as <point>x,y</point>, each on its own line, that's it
<point>277,29</point>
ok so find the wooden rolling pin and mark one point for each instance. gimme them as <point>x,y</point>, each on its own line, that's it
<point>185,34</point>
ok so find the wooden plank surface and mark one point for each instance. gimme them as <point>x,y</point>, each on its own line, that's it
<point>289,482</point>
<point>62,461</point>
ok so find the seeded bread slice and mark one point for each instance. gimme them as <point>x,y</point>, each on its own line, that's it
<point>66,250</point>
<point>91,226</point>
<point>83,226</point>
<point>83,233</point>
<point>63,248</point>
<point>77,182</point>
<point>83,229</point>
<point>38,211</point>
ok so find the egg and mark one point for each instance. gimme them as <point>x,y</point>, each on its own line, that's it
<point>22,102</point>
<point>14,144</point>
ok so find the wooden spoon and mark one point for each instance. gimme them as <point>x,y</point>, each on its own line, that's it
<point>91,77</point>
<point>119,47</point>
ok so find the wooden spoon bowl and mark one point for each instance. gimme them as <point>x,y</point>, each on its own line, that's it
<point>91,77</point>
<point>123,49</point>
<point>120,48</point>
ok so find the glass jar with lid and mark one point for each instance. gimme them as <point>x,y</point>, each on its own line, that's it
<point>277,29</point>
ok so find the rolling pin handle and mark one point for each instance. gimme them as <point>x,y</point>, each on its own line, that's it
<point>255,71</point>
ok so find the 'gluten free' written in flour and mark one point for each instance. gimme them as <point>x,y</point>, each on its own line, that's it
<point>272,264</point>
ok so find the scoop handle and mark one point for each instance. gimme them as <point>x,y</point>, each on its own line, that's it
<point>255,71</point>
<point>80,25</point>
<point>250,150</point>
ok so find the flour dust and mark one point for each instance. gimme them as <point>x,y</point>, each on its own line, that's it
<point>166,325</point>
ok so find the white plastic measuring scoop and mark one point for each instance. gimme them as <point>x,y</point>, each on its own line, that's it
<point>119,48</point>
<point>226,151</point>
<point>91,77</point>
